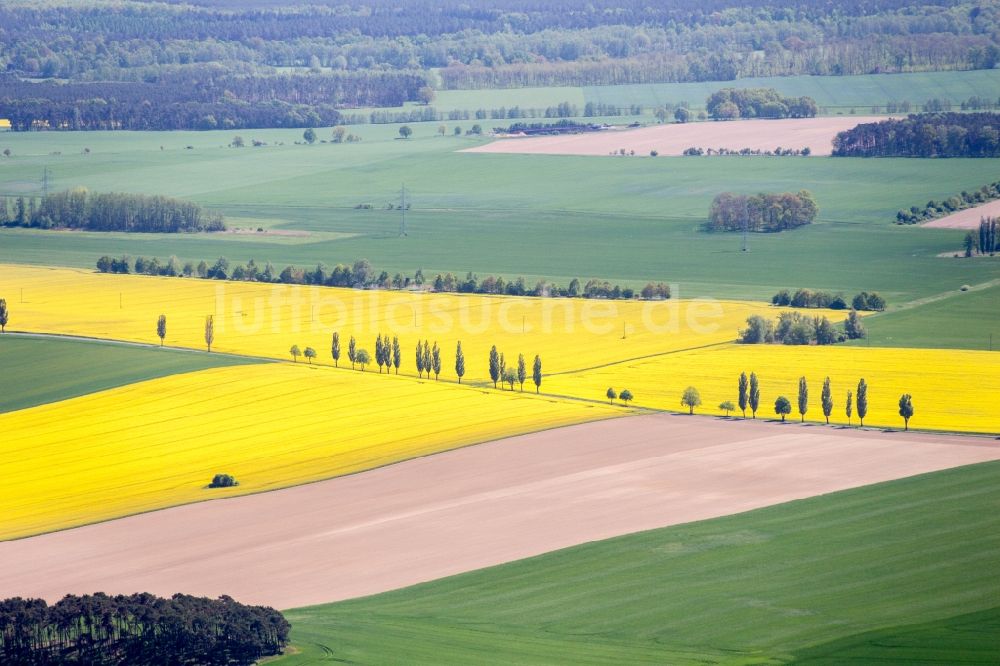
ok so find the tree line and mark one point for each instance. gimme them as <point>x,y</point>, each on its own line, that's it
<point>109,211</point>
<point>795,328</point>
<point>935,209</point>
<point>695,151</point>
<point>807,298</point>
<point>764,212</point>
<point>923,135</point>
<point>733,103</point>
<point>138,630</point>
<point>361,275</point>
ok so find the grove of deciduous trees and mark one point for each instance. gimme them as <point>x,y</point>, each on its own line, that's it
<point>767,211</point>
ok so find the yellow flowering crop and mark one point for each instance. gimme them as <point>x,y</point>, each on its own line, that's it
<point>954,390</point>
<point>266,320</point>
<point>159,443</point>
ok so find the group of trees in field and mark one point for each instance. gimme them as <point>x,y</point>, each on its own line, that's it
<point>748,396</point>
<point>695,151</point>
<point>362,275</point>
<point>807,298</point>
<point>388,354</point>
<point>733,103</point>
<point>923,135</point>
<point>138,630</point>
<point>795,328</point>
<point>935,209</point>
<point>986,241</point>
<point>110,211</point>
<point>502,374</point>
<point>764,212</point>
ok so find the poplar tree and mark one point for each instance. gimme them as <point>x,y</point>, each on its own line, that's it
<point>459,361</point>
<point>428,365</point>
<point>436,360</point>
<point>397,354</point>
<point>861,400</point>
<point>420,360</point>
<point>4,315</point>
<point>335,349</point>
<point>209,331</point>
<point>827,399</point>
<point>379,353</point>
<point>803,398</point>
<point>754,394</point>
<point>161,328</point>
<point>849,406</point>
<point>494,365</point>
<point>536,373</point>
<point>522,372</point>
<point>352,351</point>
<point>744,386</point>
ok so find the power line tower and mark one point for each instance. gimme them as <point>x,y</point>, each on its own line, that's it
<point>402,208</point>
<point>746,230</point>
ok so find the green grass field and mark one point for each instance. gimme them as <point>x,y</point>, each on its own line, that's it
<point>900,572</point>
<point>37,371</point>
<point>963,320</point>
<point>837,94</point>
<point>629,220</point>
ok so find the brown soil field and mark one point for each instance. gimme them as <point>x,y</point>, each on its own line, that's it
<point>470,508</point>
<point>966,219</point>
<point>674,138</point>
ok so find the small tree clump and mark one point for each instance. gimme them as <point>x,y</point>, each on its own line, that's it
<point>223,481</point>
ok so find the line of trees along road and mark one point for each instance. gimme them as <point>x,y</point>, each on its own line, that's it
<point>138,630</point>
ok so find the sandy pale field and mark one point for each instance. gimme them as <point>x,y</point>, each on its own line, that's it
<point>815,133</point>
<point>469,508</point>
<point>966,219</point>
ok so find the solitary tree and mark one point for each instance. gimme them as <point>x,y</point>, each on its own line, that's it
<point>335,349</point>
<point>397,354</point>
<point>352,351</point>
<point>436,360</point>
<point>522,371</point>
<point>310,136</point>
<point>691,399</point>
<point>727,407</point>
<point>310,354</point>
<point>744,393</point>
<point>209,331</point>
<point>861,399</point>
<point>803,398</point>
<point>611,395</point>
<point>827,399</point>
<point>536,373</point>
<point>295,352</point>
<point>161,328</point>
<point>459,361</point>
<point>849,406</point>
<point>626,396</point>
<point>906,409</point>
<point>783,407</point>
<point>364,358</point>
<point>754,394</point>
<point>405,131</point>
<point>494,365</point>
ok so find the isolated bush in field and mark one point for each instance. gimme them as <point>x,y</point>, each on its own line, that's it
<point>223,481</point>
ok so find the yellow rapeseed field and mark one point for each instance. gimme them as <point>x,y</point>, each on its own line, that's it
<point>266,320</point>
<point>158,443</point>
<point>953,390</point>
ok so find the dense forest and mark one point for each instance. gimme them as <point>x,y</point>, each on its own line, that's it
<point>767,211</point>
<point>924,135</point>
<point>138,630</point>
<point>110,211</point>
<point>220,60</point>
